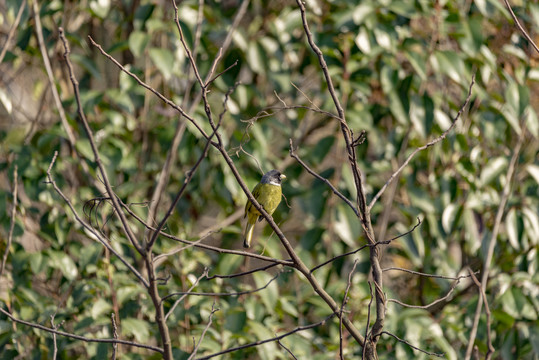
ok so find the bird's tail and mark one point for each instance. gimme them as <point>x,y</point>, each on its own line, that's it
<point>248,235</point>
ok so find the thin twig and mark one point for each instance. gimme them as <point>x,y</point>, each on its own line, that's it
<point>82,117</point>
<point>223,293</point>
<point>209,247</point>
<point>344,301</point>
<point>491,349</point>
<point>260,342</point>
<point>520,27</point>
<point>55,345</point>
<point>368,322</point>
<point>328,183</point>
<point>213,310</point>
<point>427,275</point>
<point>114,334</point>
<point>177,302</point>
<point>287,349</point>
<point>14,27</point>
<point>385,242</point>
<point>262,268</point>
<point>88,227</point>
<point>149,88</point>
<point>12,222</point>
<point>493,238</point>
<point>451,289</point>
<point>41,42</point>
<point>78,337</point>
<point>427,145</point>
<point>440,355</point>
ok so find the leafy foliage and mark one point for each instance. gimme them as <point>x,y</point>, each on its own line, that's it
<point>402,69</point>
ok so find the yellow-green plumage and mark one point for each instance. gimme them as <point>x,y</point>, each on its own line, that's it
<point>268,194</point>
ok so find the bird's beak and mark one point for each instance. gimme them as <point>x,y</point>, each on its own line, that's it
<point>283,176</point>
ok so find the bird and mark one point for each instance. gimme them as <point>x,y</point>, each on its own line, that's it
<point>268,193</point>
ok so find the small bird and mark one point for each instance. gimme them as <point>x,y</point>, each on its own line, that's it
<point>268,194</point>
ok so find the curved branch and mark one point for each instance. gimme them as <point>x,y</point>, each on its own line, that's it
<point>78,337</point>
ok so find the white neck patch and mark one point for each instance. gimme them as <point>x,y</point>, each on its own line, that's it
<point>274,183</point>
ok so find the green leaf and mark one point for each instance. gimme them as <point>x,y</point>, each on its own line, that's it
<point>163,60</point>
<point>84,148</point>
<point>270,294</point>
<point>64,263</point>
<point>100,7</point>
<point>511,223</point>
<point>492,170</point>
<point>137,328</point>
<point>138,41</point>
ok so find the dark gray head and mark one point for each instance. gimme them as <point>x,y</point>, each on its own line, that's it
<point>273,177</point>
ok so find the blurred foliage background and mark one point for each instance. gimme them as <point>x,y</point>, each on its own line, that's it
<point>402,70</point>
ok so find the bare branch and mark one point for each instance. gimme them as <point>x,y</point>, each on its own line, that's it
<point>88,227</point>
<point>82,117</point>
<point>149,88</point>
<point>451,289</point>
<point>412,346</point>
<point>487,311</point>
<point>12,221</point>
<point>213,310</point>
<point>177,302</point>
<point>427,145</point>
<point>368,322</point>
<point>385,242</point>
<point>493,237</point>
<point>520,27</point>
<point>12,30</point>
<point>328,183</point>
<point>262,268</point>
<point>428,275</point>
<point>222,294</point>
<point>78,337</point>
<point>52,84</point>
<point>344,301</point>
<point>287,349</point>
<point>115,335</point>
<point>256,343</point>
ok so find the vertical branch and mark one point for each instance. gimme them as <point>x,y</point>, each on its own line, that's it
<point>12,31</point>
<point>492,241</point>
<point>12,223</point>
<point>116,205</point>
<point>48,68</point>
<point>364,213</point>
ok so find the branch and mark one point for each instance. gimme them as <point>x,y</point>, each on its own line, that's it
<point>328,183</point>
<point>385,242</point>
<point>116,205</point>
<point>412,346</point>
<point>256,343</point>
<point>43,49</point>
<point>213,310</point>
<point>204,274</point>
<point>262,268</point>
<point>368,322</point>
<point>432,303</point>
<point>487,311</point>
<point>222,294</point>
<point>14,27</point>
<point>520,27</point>
<point>493,237</point>
<point>78,337</point>
<point>429,144</point>
<point>90,229</point>
<point>12,222</point>
<point>209,247</point>
<point>428,275</point>
<point>344,301</point>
